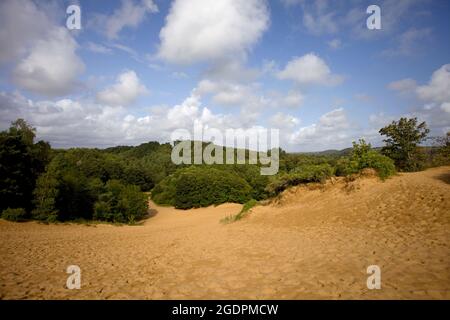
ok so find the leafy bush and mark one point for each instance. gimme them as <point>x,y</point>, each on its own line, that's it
<point>164,192</point>
<point>102,211</point>
<point>346,167</point>
<point>200,187</point>
<point>383,165</point>
<point>303,174</point>
<point>313,172</point>
<point>121,203</point>
<point>362,157</point>
<point>251,174</point>
<point>17,215</point>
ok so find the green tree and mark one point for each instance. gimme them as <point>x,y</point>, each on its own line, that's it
<point>21,162</point>
<point>121,203</point>
<point>45,196</point>
<point>403,138</point>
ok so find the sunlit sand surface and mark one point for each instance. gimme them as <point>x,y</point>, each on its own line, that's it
<point>313,242</point>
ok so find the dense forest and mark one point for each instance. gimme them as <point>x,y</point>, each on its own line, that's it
<point>114,184</point>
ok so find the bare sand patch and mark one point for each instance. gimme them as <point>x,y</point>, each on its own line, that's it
<point>311,243</point>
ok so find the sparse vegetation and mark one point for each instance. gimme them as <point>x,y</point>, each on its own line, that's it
<point>245,209</point>
<point>302,174</point>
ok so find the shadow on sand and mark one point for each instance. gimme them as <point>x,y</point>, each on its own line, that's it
<point>151,213</point>
<point>445,177</point>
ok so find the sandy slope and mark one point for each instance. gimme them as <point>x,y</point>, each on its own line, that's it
<point>310,243</point>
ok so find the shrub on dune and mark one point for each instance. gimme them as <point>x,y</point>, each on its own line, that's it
<point>302,174</point>
<point>16,215</point>
<point>363,157</point>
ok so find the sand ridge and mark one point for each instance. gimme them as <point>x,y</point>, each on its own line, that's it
<point>312,243</point>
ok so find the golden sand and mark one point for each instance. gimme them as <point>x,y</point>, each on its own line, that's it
<point>312,242</point>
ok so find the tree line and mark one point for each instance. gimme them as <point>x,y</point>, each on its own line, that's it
<point>113,184</point>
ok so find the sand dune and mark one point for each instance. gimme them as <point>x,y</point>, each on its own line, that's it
<point>312,242</point>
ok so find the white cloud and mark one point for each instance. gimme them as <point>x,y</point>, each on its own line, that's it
<point>129,15</point>
<point>436,98</point>
<point>69,123</point>
<point>446,107</point>
<point>438,89</point>
<point>21,23</point>
<point>436,93</point>
<point>32,37</point>
<point>293,99</point>
<point>127,89</point>
<point>231,70</point>
<point>251,99</point>
<point>204,30</point>
<point>227,93</point>
<point>309,69</point>
<point>51,66</point>
<point>283,121</point>
<point>331,131</point>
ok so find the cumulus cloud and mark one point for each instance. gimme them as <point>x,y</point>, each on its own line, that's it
<point>204,30</point>
<point>283,121</point>
<point>17,30</point>
<point>52,65</point>
<point>446,107</point>
<point>332,130</point>
<point>129,15</point>
<point>231,93</point>
<point>69,123</point>
<point>251,99</point>
<point>309,69</point>
<point>44,51</point>
<point>231,70</point>
<point>435,99</point>
<point>127,89</point>
<point>438,89</point>
<point>435,96</point>
<point>293,99</point>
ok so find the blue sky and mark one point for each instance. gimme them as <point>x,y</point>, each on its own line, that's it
<point>140,69</point>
